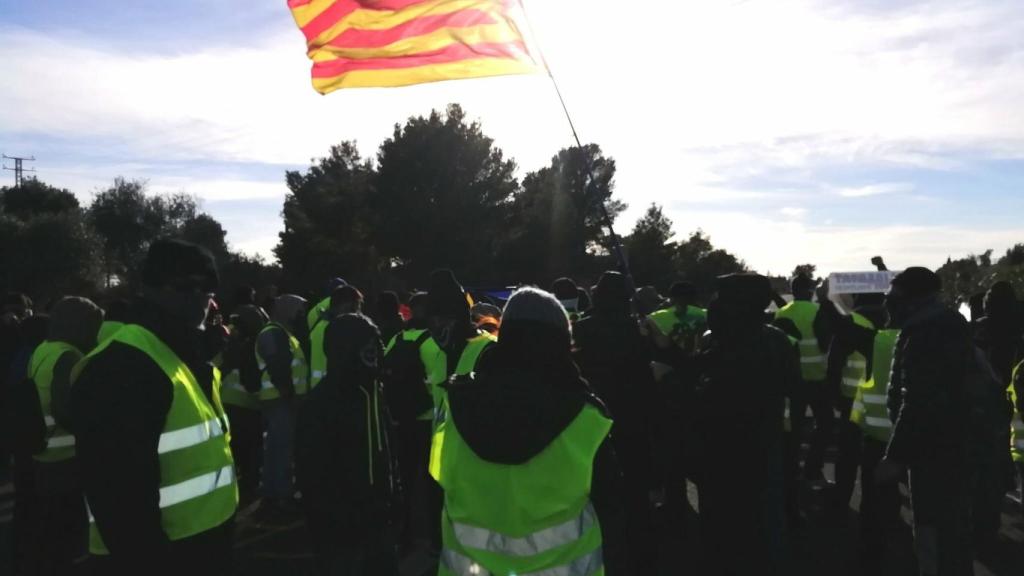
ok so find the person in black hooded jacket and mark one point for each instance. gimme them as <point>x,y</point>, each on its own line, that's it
<point>744,372</point>
<point>343,461</point>
<point>525,391</point>
<point>615,357</point>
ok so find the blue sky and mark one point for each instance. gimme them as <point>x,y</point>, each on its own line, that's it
<point>789,130</point>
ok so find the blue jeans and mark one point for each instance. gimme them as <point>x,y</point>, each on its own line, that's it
<point>278,448</point>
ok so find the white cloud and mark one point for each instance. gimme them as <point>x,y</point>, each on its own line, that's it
<point>793,212</point>
<point>695,103</point>
<point>876,189</point>
<point>776,245</point>
<point>220,190</point>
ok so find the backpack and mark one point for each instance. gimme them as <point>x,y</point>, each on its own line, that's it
<point>404,378</point>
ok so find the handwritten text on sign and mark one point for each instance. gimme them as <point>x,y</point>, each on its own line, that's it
<point>859,282</point>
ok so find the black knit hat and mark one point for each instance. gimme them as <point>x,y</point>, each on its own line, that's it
<point>564,289</point>
<point>611,289</point>
<point>917,281</point>
<point>170,262</point>
<point>446,297</point>
<point>683,290</point>
<point>747,292</point>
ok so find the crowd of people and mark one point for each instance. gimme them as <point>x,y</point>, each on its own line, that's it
<point>538,434</point>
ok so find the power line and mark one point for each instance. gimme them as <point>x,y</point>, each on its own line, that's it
<point>18,169</point>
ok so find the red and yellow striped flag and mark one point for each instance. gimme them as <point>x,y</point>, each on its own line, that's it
<point>364,43</point>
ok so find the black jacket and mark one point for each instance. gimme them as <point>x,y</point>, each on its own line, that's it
<point>119,406</point>
<point>510,411</point>
<point>927,393</point>
<point>343,463</point>
<point>615,358</point>
<point>741,397</point>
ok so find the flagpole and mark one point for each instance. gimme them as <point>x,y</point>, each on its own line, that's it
<point>616,243</point>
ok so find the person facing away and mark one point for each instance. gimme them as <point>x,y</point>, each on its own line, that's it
<point>317,310</point>
<point>343,461</point>
<point>928,405</point>
<point>813,391</point>
<point>615,358</point>
<point>61,525</point>
<point>528,471</point>
<point>567,292</point>
<point>409,359</point>
<point>1000,333</point>
<point>156,466</point>
<point>386,315</point>
<point>744,372</point>
<point>284,378</point>
<point>240,386</point>
<point>344,300</point>
<point>451,327</point>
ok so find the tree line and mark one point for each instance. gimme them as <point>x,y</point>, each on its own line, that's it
<point>51,245</point>
<point>437,193</point>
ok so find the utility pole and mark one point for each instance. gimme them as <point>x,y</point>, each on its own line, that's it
<point>18,169</point>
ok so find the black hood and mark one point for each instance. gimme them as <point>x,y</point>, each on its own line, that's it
<point>514,407</point>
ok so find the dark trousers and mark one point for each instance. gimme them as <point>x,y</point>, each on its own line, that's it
<point>59,523</point>
<point>790,477</point>
<point>741,513</point>
<point>633,449</point>
<point>278,449</point>
<point>420,489</point>
<point>880,503</point>
<point>849,456</point>
<point>247,449</point>
<point>940,495</point>
<point>24,510</point>
<point>991,466</point>
<point>205,553</point>
<point>817,395</point>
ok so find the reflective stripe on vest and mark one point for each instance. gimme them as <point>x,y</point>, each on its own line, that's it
<point>874,392</point>
<point>813,362</point>
<point>317,355</point>
<point>192,488</point>
<point>455,564</point>
<point>234,394</point>
<point>189,437</point>
<point>1017,424</point>
<point>198,491</point>
<point>545,525</point>
<point>530,545</point>
<point>787,423</point>
<point>855,370</point>
<point>60,443</point>
<point>300,371</point>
